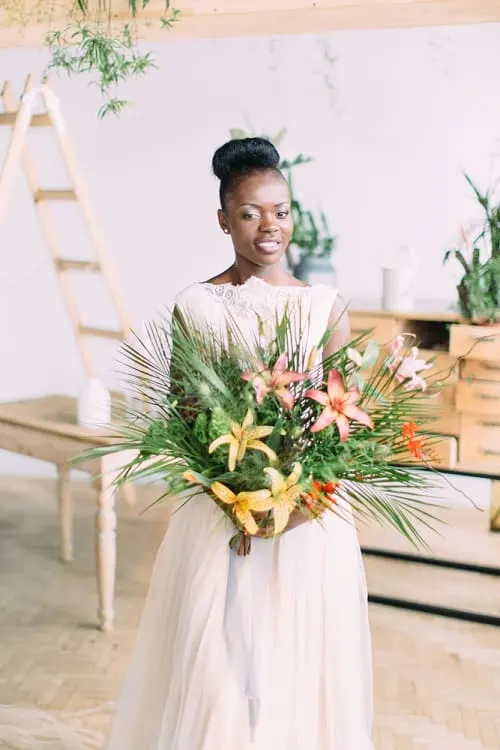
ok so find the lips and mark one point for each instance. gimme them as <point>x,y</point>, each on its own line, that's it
<point>268,246</point>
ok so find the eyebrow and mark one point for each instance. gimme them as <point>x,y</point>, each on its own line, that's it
<point>256,205</point>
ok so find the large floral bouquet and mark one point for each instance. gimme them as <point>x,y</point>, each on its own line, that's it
<point>270,431</point>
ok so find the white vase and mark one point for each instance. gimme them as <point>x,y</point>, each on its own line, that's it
<point>94,405</point>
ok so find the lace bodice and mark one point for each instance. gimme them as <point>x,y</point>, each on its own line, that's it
<point>256,301</point>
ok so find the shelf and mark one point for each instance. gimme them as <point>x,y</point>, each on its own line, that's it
<point>242,18</point>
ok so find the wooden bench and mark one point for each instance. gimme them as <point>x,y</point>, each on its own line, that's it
<point>46,428</point>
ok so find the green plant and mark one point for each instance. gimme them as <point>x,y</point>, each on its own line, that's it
<point>479,287</point>
<point>91,44</point>
<point>311,234</point>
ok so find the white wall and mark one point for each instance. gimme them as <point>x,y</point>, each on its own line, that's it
<point>391,124</point>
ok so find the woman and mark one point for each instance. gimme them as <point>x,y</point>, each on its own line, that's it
<point>269,651</point>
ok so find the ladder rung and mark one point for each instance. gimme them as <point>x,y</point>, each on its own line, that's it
<point>54,195</point>
<point>65,264</point>
<point>101,333</point>
<point>40,121</point>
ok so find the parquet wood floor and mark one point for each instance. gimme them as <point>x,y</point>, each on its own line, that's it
<point>437,681</point>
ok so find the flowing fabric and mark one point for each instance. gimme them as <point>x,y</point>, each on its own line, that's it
<point>266,652</point>
<point>310,641</point>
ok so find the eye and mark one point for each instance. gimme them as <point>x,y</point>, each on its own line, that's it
<point>249,216</point>
<point>282,214</point>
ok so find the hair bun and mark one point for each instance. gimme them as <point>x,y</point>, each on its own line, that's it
<point>244,155</point>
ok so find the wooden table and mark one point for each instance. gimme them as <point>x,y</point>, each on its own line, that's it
<point>46,428</point>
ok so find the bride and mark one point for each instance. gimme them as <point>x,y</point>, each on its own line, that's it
<point>270,651</point>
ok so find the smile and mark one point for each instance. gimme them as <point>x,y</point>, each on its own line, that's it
<point>268,246</point>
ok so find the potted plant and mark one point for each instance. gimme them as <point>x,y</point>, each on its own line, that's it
<point>479,287</point>
<point>312,244</point>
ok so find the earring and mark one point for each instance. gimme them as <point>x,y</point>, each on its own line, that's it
<point>225,230</point>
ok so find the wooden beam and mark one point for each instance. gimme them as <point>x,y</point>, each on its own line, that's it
<point>9,118</point>
<point>236,18</point>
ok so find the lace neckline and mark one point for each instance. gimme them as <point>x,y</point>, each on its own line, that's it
<point>255,282</point>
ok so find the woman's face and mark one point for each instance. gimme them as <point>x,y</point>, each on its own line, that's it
<point>258,217</point>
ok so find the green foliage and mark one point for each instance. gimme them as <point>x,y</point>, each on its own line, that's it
<point>89,45</point>
<point>190,384</point>
<point>311,233</point>
<point>479,288</point>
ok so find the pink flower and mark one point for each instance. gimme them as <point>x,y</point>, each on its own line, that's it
<point>274,381</point>
<point>407,368</point>
<point>339,406</point>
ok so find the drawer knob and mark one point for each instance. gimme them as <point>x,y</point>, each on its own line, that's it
<point>484,339</point>
<point>490,452</point>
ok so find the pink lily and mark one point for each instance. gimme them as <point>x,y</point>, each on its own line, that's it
<point>339,406</point>
<point>407,368</point>
<point>274,381</point>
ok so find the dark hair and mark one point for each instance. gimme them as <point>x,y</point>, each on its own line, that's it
<point>240,157</point>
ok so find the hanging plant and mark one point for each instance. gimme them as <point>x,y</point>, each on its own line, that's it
<point>91,44</point>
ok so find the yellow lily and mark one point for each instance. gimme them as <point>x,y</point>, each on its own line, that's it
<point>243,503</point>
<point>241,438</point>
<point>284,494</point>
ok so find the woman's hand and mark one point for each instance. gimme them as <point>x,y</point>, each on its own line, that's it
<point>298,517</point>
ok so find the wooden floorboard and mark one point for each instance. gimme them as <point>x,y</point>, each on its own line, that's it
<point>437,680</point>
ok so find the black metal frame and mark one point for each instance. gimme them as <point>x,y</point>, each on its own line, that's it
<point>414,606</point>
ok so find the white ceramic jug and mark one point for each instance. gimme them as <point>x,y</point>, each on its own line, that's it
<point>94,405</point>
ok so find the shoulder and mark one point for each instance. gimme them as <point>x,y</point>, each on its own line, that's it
<point>188,296</point>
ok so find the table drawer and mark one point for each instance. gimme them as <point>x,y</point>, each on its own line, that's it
<point>478,397</point>
<point>446,421</point>
<point>444,452</point>
<point>384,329</point>
<point>480,440</point>
<point>477,369</point>
<point>446,397</point>
<point>442,364</point>
<point>475,342</point>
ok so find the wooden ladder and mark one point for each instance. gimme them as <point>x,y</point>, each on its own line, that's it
<point>19,115</point>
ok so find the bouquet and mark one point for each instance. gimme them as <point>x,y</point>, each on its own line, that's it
<point>270,431</point>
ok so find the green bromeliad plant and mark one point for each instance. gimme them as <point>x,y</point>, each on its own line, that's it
<point>479,287</point>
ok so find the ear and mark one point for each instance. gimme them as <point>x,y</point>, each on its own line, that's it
<point>223,221</point>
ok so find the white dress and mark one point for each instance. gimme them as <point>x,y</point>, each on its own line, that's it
<point>266,652</point>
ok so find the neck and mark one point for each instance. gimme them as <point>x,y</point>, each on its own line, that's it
<point>242,269</point>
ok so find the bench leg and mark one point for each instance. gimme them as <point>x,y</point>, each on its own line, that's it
<point>65,503</point>
<point>106,542</point>
<point>129,494</point>
<point>495,505</point>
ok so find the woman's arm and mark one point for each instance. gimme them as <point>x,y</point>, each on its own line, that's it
<point>342,331</point>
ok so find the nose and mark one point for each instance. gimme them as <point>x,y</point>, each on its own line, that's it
<point>268,223</point>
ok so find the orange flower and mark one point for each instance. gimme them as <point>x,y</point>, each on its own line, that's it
<point>409,430</point>
<point>415,448</point>
<point>414,445</point>
<point>339,406</point>
<point>320,496</point>
<point>274,381</point>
